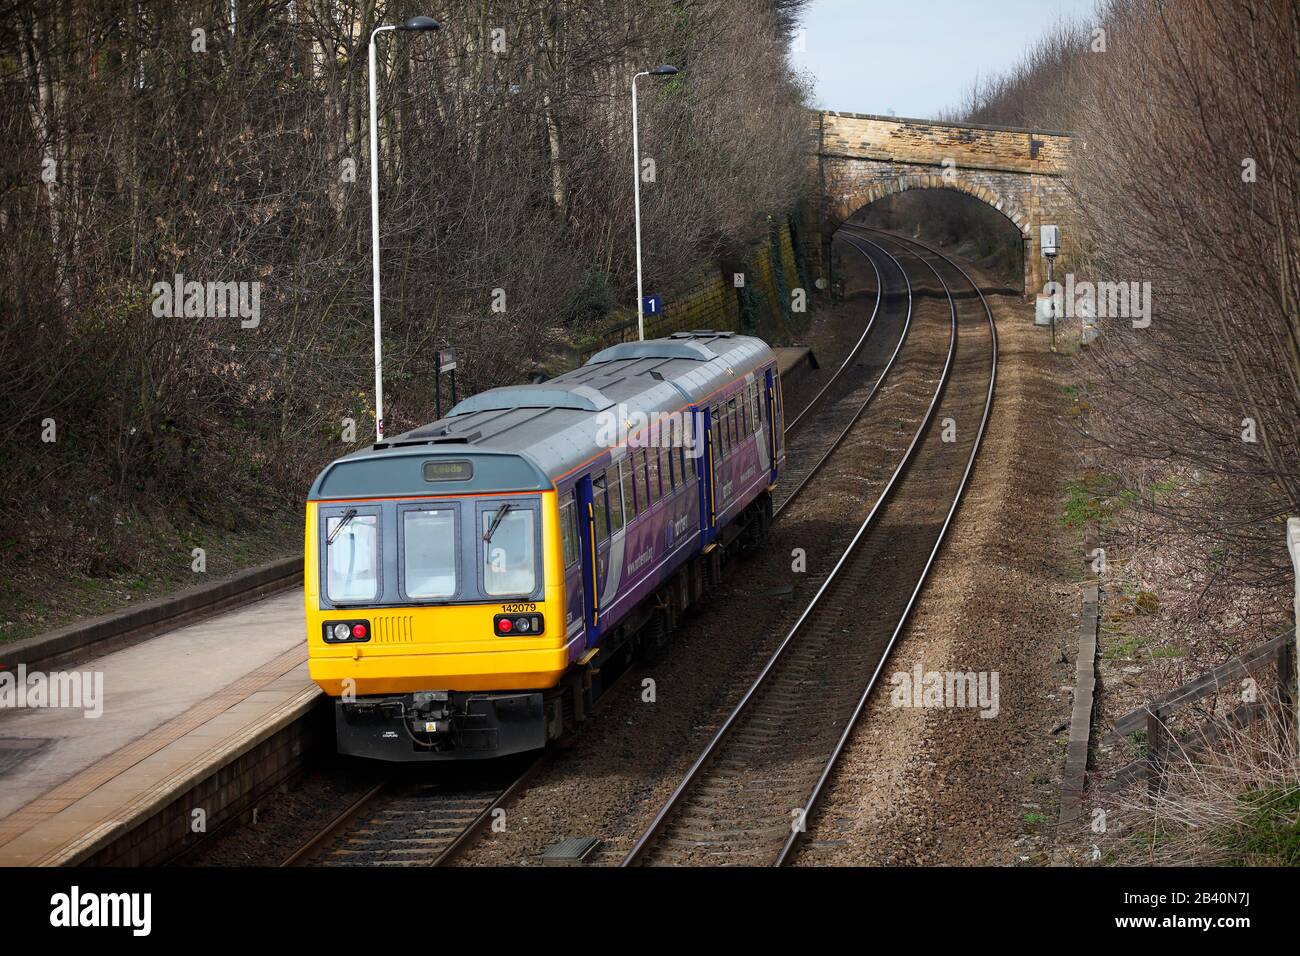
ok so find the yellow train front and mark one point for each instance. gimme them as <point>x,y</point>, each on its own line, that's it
<point>464,588</point>
<point>470,584</point>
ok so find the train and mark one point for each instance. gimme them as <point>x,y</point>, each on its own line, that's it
<point>471,585</point>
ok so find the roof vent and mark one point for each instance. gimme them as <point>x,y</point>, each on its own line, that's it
<point>579,397</point>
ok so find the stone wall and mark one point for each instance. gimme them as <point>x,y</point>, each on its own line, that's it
<point>709,299</point>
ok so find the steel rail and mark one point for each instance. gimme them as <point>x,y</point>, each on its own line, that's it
<point>797,833</point>
<point>902,338</point>
<point>695,772</point>
<point>339,824</point>
<point>853,352</point>
<point>308,850</point>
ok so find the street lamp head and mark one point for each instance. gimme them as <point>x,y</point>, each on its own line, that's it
<point>665,70</point>
<point>421,23</point>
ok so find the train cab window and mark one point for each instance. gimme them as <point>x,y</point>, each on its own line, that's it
<point>510,556</point>
<point>429,553</point>
<point>600,510</point>
<point>569,531</point>
<point>629,493</point>
<point>614,488</point>
<point>352,557</point>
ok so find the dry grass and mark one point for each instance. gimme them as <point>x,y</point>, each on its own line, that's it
<point>1237,803</point>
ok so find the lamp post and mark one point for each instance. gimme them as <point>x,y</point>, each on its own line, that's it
<point>664,70</point>
<point>418,24</point>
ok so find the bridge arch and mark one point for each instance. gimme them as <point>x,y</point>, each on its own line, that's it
<point>1019,172</point>
<point>892,187</point>
<point>854,203</point>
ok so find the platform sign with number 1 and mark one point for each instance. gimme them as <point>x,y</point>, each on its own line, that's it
<point>652,305</point>
<point>444,360</point>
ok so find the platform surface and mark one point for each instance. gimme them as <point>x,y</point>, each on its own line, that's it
<point>170,704</point>
<point>791,357</point>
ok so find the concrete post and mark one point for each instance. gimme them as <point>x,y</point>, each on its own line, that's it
<point>1293,545</point>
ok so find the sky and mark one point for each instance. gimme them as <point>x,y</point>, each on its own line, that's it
<point>916,57</point>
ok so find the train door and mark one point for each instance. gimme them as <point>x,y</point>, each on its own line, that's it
<point>775,439</point>
<point>598,549</point>
<point>590,562</point>
<point>709,472</point>
<point>575,593</point>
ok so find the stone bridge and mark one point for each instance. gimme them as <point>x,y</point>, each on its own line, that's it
<point>1019,172</point>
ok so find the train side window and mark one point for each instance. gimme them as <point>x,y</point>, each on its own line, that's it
<point>665,472</point>
<point>600,510</point>
<point>742,416</point>
<point>688,429</point>
<point>670,453</point>
<point>638,467</point>
<point>717,436</point>
<point>629,492</point>
<point>756,412</point>
<point>614,486</point>
<point>652,475</point>
<point>569,530</point>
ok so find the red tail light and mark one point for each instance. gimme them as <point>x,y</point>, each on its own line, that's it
<point>529,625</point>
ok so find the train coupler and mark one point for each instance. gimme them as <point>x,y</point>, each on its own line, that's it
<point>440,725</point>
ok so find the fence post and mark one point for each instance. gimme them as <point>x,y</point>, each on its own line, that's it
<point>1293,545</point>
<point>1156,748</point>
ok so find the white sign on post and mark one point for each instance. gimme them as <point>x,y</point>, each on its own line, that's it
<point>1049,237</point>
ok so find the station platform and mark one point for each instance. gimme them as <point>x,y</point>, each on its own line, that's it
<point>197,718</point>
<point>794,361</point>
<point>175,709</point>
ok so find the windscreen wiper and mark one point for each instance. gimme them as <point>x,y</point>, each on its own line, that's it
<point>487,535</point>
<point>347,516</point>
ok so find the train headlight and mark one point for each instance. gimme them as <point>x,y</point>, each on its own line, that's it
<point>521,625</point>
<point>343,632</point>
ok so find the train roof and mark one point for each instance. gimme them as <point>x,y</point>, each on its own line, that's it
<point>526,437</point>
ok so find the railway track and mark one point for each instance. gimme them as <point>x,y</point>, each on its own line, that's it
<point>837,407</point>
<point>420,824</point>
<point>428,823</point>
<point>749,796</point>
